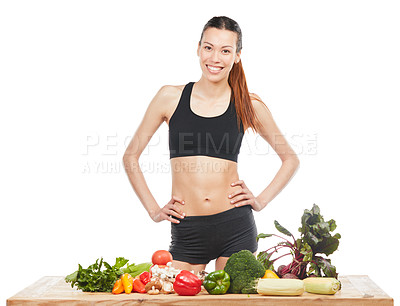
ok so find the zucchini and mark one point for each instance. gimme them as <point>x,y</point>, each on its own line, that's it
<point>321,285</point>
<point>280,286</point>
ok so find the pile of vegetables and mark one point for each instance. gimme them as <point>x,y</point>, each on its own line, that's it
<point>244,273</point>
<point>249,276</point>
<point>153,277</point>
<point>97,279</point>
<point>307,251</point>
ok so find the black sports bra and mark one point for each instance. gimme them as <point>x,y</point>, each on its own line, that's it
<point>191,134</point>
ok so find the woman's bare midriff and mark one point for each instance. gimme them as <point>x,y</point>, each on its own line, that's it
<point>203,182</point>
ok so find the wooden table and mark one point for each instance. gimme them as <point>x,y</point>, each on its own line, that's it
<point>50,290</point>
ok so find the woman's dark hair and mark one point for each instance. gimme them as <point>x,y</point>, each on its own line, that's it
<point>225,23</point>
<point>237,80</point>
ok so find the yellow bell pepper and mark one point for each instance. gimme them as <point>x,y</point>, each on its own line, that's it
<point>270,274</point>
<point>127,282</point>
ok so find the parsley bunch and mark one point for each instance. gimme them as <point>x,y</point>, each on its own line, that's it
<point>94,279</point>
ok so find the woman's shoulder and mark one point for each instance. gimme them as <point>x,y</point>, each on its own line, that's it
<point>254,96</point>
<point>168,95</point>
<point>170,91</point>
<point>258,103</point>
<point>168,98</point>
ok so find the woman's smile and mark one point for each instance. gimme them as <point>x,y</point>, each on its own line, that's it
<point>214,69</point>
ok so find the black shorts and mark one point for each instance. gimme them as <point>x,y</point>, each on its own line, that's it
<point>200,239</point>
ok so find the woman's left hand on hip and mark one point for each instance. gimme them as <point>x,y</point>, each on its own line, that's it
<point>244,196</point>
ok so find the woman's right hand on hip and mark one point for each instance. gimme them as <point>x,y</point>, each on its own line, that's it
<point>169,210</point>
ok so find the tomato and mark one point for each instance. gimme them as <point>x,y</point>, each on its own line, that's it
<point>161,257</point>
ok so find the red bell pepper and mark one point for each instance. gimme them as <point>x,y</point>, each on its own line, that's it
<point>145,277</point>
<point>138,286</point>
<point>186,283</point>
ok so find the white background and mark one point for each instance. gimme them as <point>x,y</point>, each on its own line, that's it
<point>77,76</point>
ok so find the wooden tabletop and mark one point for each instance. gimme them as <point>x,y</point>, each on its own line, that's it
<point>50,290</point>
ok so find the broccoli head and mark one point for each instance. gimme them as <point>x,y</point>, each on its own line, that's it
<point>244,269</point>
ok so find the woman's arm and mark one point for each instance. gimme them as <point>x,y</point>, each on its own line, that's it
<point>153,118</point>
<point>290,162</point>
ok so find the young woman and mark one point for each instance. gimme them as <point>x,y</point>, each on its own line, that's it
<point>210,209</point>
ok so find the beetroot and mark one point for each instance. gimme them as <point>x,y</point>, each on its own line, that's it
<point>290,275</point>
<point>279,271</point>
<point>315,239</point>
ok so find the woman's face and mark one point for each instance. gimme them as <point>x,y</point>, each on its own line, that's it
<point>217,53</point>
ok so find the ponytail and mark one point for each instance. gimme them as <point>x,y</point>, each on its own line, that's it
<point>244,107</point>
